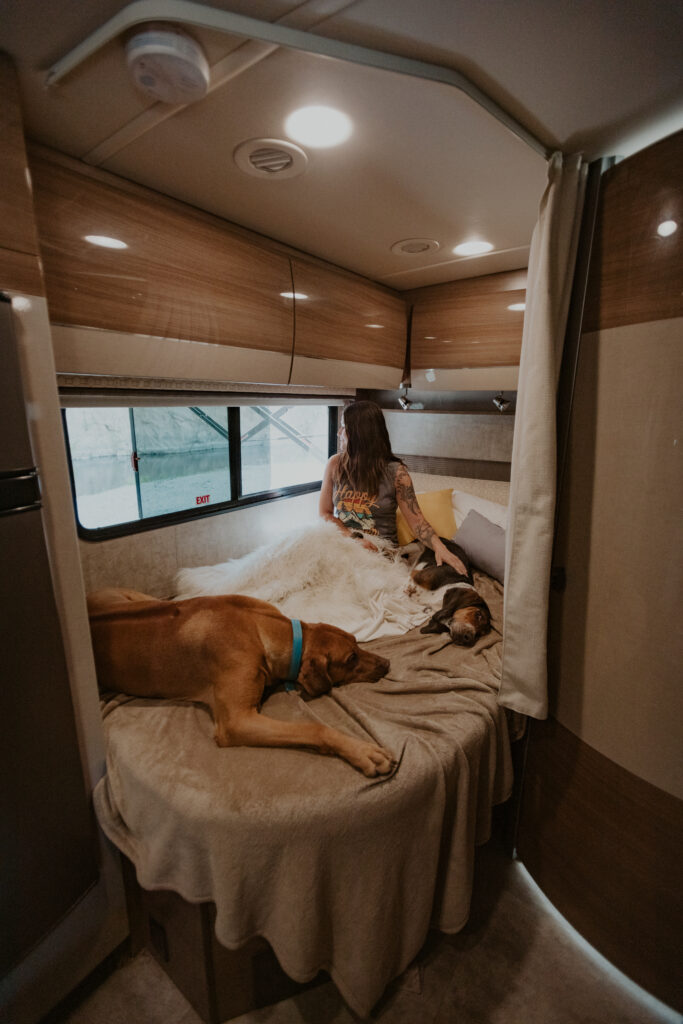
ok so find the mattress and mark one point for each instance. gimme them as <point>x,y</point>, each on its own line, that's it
<point>337,871</point>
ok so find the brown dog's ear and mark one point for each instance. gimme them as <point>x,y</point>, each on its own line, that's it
<point>313,675</point>
<point>456,597</point>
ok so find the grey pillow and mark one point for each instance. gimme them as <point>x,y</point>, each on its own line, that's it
<point>484,544</point>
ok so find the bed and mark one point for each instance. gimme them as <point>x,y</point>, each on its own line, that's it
<point>336,871</point>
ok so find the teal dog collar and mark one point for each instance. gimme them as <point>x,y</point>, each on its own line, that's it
<point>295,660</point>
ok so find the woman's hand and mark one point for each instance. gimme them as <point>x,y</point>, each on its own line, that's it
<point>442,555</point>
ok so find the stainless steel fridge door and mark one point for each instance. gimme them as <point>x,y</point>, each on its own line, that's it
<point>48,846</point>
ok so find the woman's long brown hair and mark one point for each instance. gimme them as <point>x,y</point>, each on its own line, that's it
<point>368,448</point>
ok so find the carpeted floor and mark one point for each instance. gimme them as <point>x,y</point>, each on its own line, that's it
<point>516,962</point>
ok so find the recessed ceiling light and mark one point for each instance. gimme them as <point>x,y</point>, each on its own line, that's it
<point>666,228</point>
<point>473,248</point>
<point>376,326</point>
<point>318,127</point>
<point>430,337</point>
<point>293,295</point>
<point>518,307</point>
<point>414,246</point>
<point>106,242</point>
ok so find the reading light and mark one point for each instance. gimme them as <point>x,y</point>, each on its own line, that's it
<point>500,402</point>
<point>404,401</point>
<point>106,242</point>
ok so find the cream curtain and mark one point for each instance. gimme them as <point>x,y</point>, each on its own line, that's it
<point>529,534</point>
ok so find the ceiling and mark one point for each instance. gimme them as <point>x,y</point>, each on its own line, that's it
<point>423,161</point>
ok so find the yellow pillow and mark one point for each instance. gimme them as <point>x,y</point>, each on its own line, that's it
<point>437,509</point>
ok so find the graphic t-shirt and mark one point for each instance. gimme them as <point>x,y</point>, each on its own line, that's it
<point>374,514</point>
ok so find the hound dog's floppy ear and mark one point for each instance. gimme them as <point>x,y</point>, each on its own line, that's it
<point>456,597</point>
<point>314,676</point>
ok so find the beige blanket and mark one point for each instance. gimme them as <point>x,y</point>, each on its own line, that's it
<point>336,871</point>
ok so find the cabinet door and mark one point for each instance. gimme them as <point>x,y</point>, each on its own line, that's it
<point>183,274</point>
<point>19,268</point>
<point>468,323</point>
<point>349,331</point>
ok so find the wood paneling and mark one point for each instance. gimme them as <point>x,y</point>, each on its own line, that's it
<point>635,274</point>
<point>467,323</point>
<point>604,846</point>
<point>184,274</point>
<point>20,271</point>
<point>17,226</point>
<point>332,322</point>
<point>19,265</point>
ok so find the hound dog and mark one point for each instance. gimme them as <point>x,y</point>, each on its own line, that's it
<point>224,651</point>
<point>464,614</point>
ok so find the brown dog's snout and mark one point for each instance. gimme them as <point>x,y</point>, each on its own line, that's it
<point>378,667</point>
<point>462,633</point>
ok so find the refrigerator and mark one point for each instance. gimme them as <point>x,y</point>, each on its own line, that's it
<point>49,852</point>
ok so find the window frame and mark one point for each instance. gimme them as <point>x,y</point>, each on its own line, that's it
<point>203,511</point>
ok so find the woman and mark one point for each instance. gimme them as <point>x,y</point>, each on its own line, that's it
<point>365,482</point>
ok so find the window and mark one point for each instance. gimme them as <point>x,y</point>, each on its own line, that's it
<point>135,468</point>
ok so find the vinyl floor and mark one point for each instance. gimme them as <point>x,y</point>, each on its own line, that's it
<point>516,962</point>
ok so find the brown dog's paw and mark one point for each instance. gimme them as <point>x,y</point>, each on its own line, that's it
<point>371,760</point>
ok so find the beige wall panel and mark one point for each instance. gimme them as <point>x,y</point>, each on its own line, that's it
<point>618,622</point>
<point>451,435</point>
<point>467,323</point>
<point>485,378</point>
<point>149,561</point>
<point>85,350</point>
<point>184,274</point>
<point>344,373</point>
<point>332,322</point>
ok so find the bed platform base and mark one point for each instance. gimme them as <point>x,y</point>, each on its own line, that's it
<point>219,983</point>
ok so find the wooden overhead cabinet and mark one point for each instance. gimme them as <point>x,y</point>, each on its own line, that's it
<point>349,331</point>
<point>468,325</point>
<point>179,274</point>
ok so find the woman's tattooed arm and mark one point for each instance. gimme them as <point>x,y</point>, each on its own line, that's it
<point>405,496</point>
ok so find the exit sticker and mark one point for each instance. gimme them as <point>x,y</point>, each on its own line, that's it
<point>202,499</point>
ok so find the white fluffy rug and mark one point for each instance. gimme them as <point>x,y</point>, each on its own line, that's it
<point>318,574</point>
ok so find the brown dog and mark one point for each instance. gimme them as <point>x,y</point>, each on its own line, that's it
<point>463,613</point>
<point>225,651</point>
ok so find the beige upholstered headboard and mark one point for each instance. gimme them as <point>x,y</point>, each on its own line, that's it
<point>492,490</point>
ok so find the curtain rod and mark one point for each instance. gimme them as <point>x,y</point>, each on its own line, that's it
<point>188,13</point>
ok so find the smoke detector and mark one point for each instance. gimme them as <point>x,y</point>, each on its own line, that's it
<point>270,158</point>
<point>168,65</point>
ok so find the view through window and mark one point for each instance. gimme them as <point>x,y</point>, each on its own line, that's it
<point>132,464</point>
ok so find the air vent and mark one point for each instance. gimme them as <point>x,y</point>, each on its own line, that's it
<point>415,246</point>
<point>270,158</point>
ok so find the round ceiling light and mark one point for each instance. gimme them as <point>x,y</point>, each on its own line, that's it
<point>318,127</point>
<point>414,246</point>
<point>473,248</point>
<point>270,158</point>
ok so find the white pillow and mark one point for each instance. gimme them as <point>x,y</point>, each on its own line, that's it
<point>464,503</point>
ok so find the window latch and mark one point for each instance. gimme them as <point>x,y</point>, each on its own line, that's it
<point>134,460</point>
